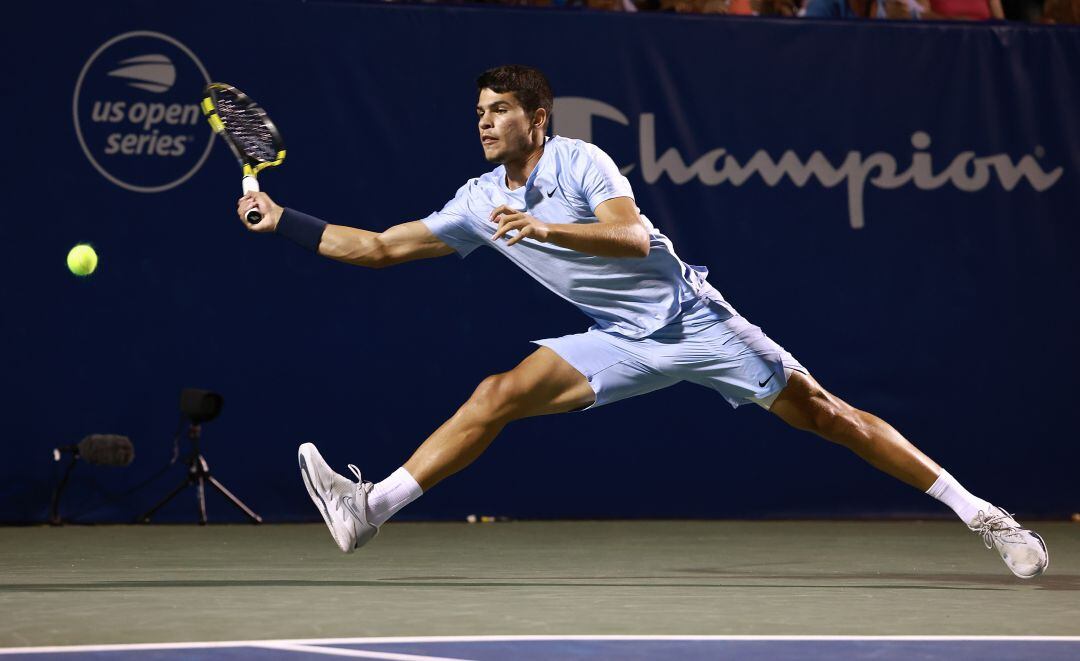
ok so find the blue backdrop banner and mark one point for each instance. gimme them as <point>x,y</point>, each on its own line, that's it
<point>895,203</point>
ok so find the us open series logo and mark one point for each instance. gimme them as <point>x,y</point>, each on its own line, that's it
<point>136,111</point>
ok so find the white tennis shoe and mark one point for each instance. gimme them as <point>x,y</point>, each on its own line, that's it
<point>342,502</point>
<point>1023,550</point>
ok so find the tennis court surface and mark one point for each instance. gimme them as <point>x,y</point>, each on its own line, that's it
<point>535,590</point>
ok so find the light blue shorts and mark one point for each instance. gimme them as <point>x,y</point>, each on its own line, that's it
<point>706,345</point>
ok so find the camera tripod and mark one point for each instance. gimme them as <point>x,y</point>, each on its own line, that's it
<point>199,475</point>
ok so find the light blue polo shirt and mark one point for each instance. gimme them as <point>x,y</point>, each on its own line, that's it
<point>631,297</point>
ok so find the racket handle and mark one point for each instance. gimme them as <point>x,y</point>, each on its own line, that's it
<point>251,185</point>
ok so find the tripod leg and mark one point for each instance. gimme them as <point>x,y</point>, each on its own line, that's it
<point>145,518</point>
<point>54,508</point>
<point>255,518</point>
<point>201,489</point>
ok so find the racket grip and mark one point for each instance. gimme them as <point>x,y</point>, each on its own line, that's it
<point>251,185</point>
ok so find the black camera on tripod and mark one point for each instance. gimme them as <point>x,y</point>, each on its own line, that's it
<point>200,406</point>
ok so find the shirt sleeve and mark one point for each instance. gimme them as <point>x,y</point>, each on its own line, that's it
<point>599,177</point>
<point>452,223</point>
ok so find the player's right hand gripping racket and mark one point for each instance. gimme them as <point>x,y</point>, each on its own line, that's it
<point>248,131</point>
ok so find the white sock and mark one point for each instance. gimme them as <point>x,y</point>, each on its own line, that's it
<point>949,491</point>
<point>390,495</point>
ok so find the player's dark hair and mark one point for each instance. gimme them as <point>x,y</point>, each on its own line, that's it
<point>528,84</point>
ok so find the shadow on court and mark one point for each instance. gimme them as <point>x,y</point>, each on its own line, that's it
<point>807,581</point>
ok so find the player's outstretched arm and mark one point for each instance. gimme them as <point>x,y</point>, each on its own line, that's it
<point>401,243</point>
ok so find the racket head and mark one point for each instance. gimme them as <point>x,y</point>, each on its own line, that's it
<point>244,126</point>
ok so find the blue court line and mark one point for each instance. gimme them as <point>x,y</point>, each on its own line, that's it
<point>542,648</point>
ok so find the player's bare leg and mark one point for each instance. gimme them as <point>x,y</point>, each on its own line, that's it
<point>804,404</point>
<point>541,384</point>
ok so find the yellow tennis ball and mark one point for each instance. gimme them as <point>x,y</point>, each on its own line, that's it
<point>82,260</point>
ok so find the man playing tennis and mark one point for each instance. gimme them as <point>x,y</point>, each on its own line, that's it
<point>560,210</point>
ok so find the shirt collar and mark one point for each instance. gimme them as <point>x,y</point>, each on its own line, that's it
<point>538,170</point>
<point>541,165</point>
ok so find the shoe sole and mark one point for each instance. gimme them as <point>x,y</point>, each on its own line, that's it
<point>320,504</point>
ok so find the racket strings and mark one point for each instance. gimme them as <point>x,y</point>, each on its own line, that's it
<point>247,127</point>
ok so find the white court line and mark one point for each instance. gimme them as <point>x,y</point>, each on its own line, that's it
<point>359,654</point>
<point>501,638</point>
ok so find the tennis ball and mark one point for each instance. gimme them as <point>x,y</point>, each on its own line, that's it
<point>82,260</point>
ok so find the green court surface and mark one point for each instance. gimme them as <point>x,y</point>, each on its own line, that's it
<point>135,584</point>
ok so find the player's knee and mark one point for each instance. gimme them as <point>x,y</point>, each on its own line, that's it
<point>828,415</point>
<point>838,421</point>
<point>496,397</point>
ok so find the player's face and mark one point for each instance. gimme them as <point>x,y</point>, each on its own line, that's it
<point>505,127</point>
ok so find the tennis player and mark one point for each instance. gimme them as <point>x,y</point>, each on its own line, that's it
<point>559,209</point>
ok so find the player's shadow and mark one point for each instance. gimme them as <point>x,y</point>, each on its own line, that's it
<point>716,581</point>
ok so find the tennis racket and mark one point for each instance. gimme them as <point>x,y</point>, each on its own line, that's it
<point>248,131</point>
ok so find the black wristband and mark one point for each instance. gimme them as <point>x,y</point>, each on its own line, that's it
<point>301,228</point>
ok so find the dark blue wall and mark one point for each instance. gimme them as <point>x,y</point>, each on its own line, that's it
<point>950,312</point>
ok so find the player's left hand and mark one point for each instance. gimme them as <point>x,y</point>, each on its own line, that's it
<point>508,219</point>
